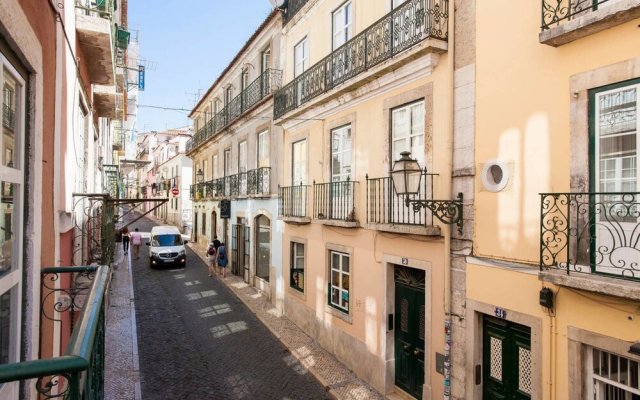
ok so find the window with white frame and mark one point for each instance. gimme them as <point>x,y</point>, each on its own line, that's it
<point>265,60</point>
<point>214,167</point>
<point>339,270</point>
<point>296,280</point>
<point>341,22</point>
<point>244,78</point>
<point>299,163</point>
<point>611,376</point>
<point>227,162</point>
<point>242,156</point>
<point>407,131</point>
<point>12,180</point>
<point>263,149</point>
<point>341,154</point>
<point>205,170</point>
<point>301,57</point>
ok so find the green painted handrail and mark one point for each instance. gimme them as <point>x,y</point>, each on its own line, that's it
<point>81,345</point>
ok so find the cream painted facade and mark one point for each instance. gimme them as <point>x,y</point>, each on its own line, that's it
<point>236,152</point>
<point>529,104</point>
<point>336,207</point>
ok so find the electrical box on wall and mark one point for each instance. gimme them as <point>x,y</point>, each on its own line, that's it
<point>546,297</point>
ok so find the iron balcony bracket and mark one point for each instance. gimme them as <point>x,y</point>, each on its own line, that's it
<point>447,211</point>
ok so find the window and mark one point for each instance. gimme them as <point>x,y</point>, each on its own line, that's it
<point>228,95</point>
<point>612,377</point>
<point>205,170</point>
<point>263,149</point>
<point>407,131</point>
<point>339,280</point>
<point>263,244</point>
<point>299,163</point>
<point>296,280</point>
<point>244,79</point>
<point>342,18</point>
<point>227,162</point>
<point>301,57</point>
<point>265,62</point>
<point>341,154</point>
<point>242,156</point>
<point>214,167</point>
<point>11,213</point>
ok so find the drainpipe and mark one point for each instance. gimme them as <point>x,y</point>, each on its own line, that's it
<point>447,228</point>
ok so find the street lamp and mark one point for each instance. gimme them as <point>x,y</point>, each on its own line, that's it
<point>199,176</point>
<point>406,175</point>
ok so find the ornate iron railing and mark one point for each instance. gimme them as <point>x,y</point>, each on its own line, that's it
<point>254,182</point>
<point>597,233</point>
<point>8,117</point>
<point>293,6</point>
<point>335,201</point>
<point>293,201</point>
<point>258,181</point>
<point>405,26</point>
<point>257,90</point>
<point>79,374</point>
<point>555,12</point>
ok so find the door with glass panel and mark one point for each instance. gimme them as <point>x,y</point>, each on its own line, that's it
<point>340,193</point>
<point>262,175</point>
<point>300,64</point>
<point>615,210</point>
<point>11,218</point>
<point>296,204</point>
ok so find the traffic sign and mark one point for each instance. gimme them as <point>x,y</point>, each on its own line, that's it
<point>175,191</point>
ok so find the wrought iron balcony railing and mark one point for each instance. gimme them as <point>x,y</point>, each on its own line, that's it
<point>255,182</point>
<point>102,9</point>
<point>385,206</point>
<point>293,6</point>
<point>593,233</point>
<point>8,117</point>
<point>335,201</point>
<point>257,90</point>
<point>404,27</point>
<point>293,201</point>
<point>79,374</point>
<point>556,12</point>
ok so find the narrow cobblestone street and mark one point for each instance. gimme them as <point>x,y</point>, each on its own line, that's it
<point>198,341</point>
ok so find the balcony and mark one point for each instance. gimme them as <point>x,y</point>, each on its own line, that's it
<point>591,240</point>
<point>96,34</point>
<point>409,24</point>
<point>293,6</point>
<point>105,101</point>
<point>257,90</point>
<point>564,21</point>
<point>79,373</point>
<point>253,183</point>
<point>334,203</point>
<point>387,211</point>
<point>293,204</point>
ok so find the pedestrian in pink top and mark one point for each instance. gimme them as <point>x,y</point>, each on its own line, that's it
<point>136,241</point>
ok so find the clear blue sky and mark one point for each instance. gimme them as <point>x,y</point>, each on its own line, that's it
<point>190,42</point>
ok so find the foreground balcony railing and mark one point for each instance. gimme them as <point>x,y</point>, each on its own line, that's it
<point>384,206</point>
<point>335,201</point>
<point>293,6</point>
<point>404,27</point>
<point>596,233</point>
<point>556,12</point>
<point>255,182</point>
<point>257,90</point>
<point>79,373</point>
<point>293,201</point>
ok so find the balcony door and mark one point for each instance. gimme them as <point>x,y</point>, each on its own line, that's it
<point>615,135</point>
<point>227,171</point>
<point>300,64</point>
<point>242,167</point>
<point>340,193</point>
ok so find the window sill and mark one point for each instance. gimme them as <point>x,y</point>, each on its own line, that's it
<point>346,317</point>
<point>593,283</point>
<point>337,222</point>
<point>296,293</point>
<point>607,16</point>
<point>295,220</point>
<point>406,229</point>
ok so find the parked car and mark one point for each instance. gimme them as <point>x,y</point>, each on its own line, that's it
<point>166,247</point>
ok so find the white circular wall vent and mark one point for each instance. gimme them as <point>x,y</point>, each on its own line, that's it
<point>495,175</point>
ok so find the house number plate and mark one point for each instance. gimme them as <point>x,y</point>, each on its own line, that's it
<point>500,313</point>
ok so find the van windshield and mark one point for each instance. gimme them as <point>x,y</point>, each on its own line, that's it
<point>166,240</point>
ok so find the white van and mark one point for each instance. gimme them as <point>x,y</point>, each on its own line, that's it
<point>166,247</point>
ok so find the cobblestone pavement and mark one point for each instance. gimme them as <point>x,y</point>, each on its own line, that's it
<point>196,340</point>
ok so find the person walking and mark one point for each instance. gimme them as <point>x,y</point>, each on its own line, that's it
<point>126,236</point>
<point>136,241</point>
<point>222,260</point>
<point>211,259</point>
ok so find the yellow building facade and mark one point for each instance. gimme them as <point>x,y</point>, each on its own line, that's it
<point>552,306</point>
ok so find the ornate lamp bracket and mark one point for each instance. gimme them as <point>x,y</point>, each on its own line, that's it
<point>447,211</point>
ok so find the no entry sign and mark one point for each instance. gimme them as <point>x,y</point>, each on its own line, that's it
<point>175,191</point>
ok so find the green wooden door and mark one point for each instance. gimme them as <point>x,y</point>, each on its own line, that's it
<point>506,360</point>
<point>409,331</point>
